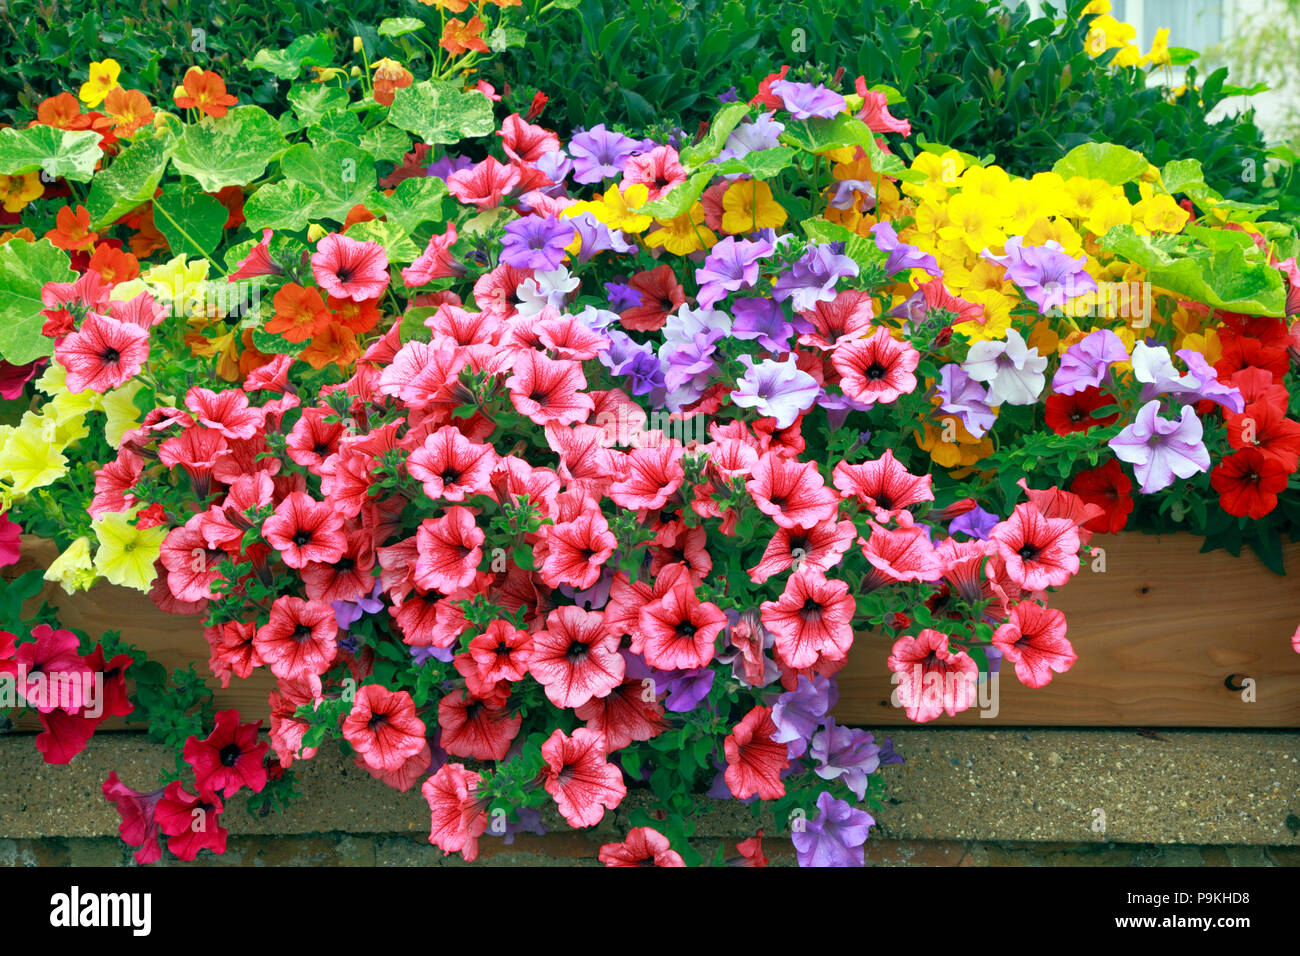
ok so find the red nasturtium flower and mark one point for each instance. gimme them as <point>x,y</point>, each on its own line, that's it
<point>72,229</point>
<point>299,313</point>
<point>389,76</point>
<point>230,758</point>
<point>204,90</point>
<point>460,37</point>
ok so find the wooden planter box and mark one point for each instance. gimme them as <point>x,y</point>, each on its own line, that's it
<point>1159,635</point>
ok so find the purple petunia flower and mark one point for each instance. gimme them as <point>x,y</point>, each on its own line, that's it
<point>686,323</point>
<point>622,296</point>
<point>1086,362</point>
<point>730,266</point>
<point>845,194</point>
<point>887,754</point>
<point>976,523</point>
<point>530,821</point>
<point>813,276</point>
<point>422,655</point>
<point>761,320</point>
<point>1046,275</point>
<point>347,613</point>
<point>804,101</point>
<point>1158,449</point>
<point>836,837</point>
<point>966,398</point>
<point>636,361</point>
<point>845,752</point>
<point>448,164</point>
<point>728,95</point>
<point>536,242</point>
<point>600,154</point>
<point>1153,366</point>
<point>798,713</point>
<point>596,237</point>
<point>556,165</point>
<point>685,688</point>
<point>763,133</point>
<point>779,390</point>
<point>901,255</point>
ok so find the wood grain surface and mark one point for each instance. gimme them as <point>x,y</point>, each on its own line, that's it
<point>1157,634</point>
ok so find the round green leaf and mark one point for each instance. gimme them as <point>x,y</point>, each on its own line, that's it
<point>440,112</point>
<point>231,151</point>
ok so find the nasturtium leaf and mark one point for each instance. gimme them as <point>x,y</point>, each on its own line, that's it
<point>55,153</point>
<point>341,174</point>
<point>25,267</point>
<point>399,26</point>
<point>395,239</point>
<point>337,125</point>
<point>1227,277</point>
<point>761,164</point>
<point>415,201</point>
<point>1116,165</point>
<point>819,135</point>
<point>231,151</point>
<point>312,101</point>
<point>131,179</point>
<point>862,251</point>
<point>726,120</point>
<point>311,50</point>
<point>441,112</point>
<point>269,343</point>
<point>680,198</point>
<point>190,220</point>
<point>285,204</point>
<point>503,38</point>
<point>385,143</point>
<point>1181,174</point>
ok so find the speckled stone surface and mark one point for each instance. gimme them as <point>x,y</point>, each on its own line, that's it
<point>971,788</point>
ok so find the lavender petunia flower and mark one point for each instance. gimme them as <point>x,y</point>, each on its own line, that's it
<point>1013,370</point>
<point>761,320</point>
<point>763,133</point>
<point>836,837</point>
<point>813,276</point>
<point>845,752</point>
<point>422,655</point>
<point>622,296</point>
<point>731,265</point>
<point>536,242</point>
<point>347,613</point>
<point>530,821</point>
<point>728,95</point>
<point>902,256</point>
<point>1153,366</point>
<point>1045,273</point>
<point>804,101</point>
<point>686,323</point>
<point>845,193</point>
<point>1158,449</point>
<point>798,713</point>
<point>779,390</point>
<point>1086,362</point>
<point>636,361</point>
<point>685,688</point>
<point>446,165</point>
<point>966,398</point>
<point>595,236</point>
<point>600,154</point>
<point>556,166</point>
<point>976,523</point>
<point>887,754</point>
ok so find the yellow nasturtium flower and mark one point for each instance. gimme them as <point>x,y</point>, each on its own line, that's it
<point>1161,214</point>
<point>1159,55</point>
<point>616,208</point>
<point>748,206</point>
<point>684,234</point>
<point>73,569</point>
<point>126,553</point>
<point>20,189</point>
<point>941,175</point>
<point>975,221</point>
<point>103,78</point>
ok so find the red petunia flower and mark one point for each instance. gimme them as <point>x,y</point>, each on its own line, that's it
<point>650,477</point>
<point>931,679</point>
<point>576,551</point>
<point>877,368</point>
<point>575,658</point>
<point>230,758</point>
<point>583,783</point>
<point>1034,640</point>
<point>658,170</point>
<point>299,639</point>
<point>845,317</point>
<point>458,820</point>
<point>751,851</point>
<point>1074,413</point>
<point>549,390</point>
<point>191,822</point>
<point>525,143</point>
<point>1109,488</point>
<point>303,529</point>
<point>102,354</point>
<point>1039,552</point>
<point>484,185</point>
<point>436,261</point>
<point>754,759</point>
<point>883,485</point>
<point>479,729</point>
<point>139,826</point>
<point>1264,426</point>
<point>452,467</point>
<point>812,620</point>
<point>348,269</point>
<point>1248,483</point>
<point>661,295</point>
<point>383,727</point>
<point>677,630</point>
<point>793,493</point>
<point>449,551</point>
<point>644,846</point>
<point>227,411</point>
<point>624,715</point>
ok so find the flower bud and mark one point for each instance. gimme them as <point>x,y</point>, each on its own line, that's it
<point>356,44</point>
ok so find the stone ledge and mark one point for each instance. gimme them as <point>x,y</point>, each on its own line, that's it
<point>1231,788</point>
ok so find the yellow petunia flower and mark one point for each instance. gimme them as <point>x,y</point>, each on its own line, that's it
<point>103,78</point>
<point>178,283</point>
<point>126,553</point>
<point>119,406</point>
<point>73,569</point>
<point>28,460</point>
<point>748,206</point>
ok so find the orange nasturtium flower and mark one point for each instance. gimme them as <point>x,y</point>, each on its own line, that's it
<point>299,313</point>
<point>20,189</point>
<point>128,109</point>
<point>390,76</point>
<point>459,37</point>
<point>113,265</point>
<point>336,344</point>
<point>103,77</point>
<point>72,230</point>
<point>451,6</point>
<point>203,90</point>
<point>62,112</point>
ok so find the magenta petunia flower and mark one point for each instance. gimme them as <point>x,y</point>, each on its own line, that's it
<point>348,269</point>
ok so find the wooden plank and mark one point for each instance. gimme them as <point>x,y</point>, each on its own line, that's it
<point>1157,634</point>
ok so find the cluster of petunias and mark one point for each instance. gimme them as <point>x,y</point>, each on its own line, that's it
<point>609,501</point>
